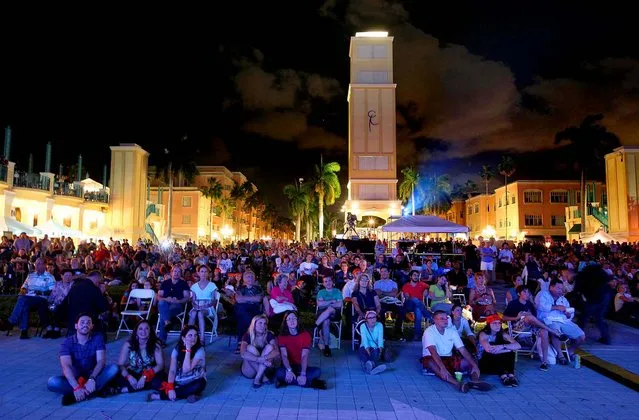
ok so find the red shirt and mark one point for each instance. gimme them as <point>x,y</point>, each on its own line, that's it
<point>294,344</point>
<point>416,291</point>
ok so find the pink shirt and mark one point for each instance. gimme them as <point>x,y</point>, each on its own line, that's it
<point>286,294</point>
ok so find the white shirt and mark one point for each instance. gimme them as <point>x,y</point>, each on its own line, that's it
<point>444,343</point>
<point>307,268</point>
<point>544,301</point>
<point>505,255</point>
<point>347,290</point>
<point>464,327</point>
<point>385,285</point>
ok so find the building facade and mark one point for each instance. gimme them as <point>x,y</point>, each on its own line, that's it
<point>372,157</point>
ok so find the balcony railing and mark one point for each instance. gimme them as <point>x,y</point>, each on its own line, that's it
<point>97,196</point>
<point>33,181</point>
<point>152,208</point>
<point>68,189</point>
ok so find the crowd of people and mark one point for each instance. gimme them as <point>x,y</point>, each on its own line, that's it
<point>265,291</point>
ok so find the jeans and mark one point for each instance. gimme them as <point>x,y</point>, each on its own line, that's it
<point>311,374</point>
<point>184,391</point>
<point>20,314</point>
<point>376,356</point>
<point>244,313</point>
<point>60,384</point>
<point>419,309</point>
<point>168,311</point>
<point>155,383</point>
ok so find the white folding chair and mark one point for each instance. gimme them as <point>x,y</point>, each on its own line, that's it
<point>181,317</point>
<point>212,318</point>
<point>522,336</point>
<point>354,332</point>
<point>338,324</point>
<point>146,296</point>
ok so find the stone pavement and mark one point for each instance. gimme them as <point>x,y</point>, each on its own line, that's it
<point>401,393</point>
<point>622,351</point>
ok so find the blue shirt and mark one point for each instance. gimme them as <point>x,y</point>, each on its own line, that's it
<point>83,357</point>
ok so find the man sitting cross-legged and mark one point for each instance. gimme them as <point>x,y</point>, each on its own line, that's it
<point>437,343</point>
<point>83,360</point>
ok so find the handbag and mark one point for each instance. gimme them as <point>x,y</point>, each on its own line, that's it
<point>182,379</point>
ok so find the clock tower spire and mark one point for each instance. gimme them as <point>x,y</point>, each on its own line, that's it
<point>372,155</point>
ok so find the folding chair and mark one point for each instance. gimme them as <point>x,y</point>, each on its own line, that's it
<point>338,324</point>
<point>354,332</point>
<point>213,318</point>
<point>523,336</point>
<point>181,317</point>
<point>147,296</point>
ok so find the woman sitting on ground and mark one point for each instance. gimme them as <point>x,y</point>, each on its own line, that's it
<point>187,373</point>
<point>371,349</point>
<point>141,361</point>
<point>295,345</point>
<point>497,351</point>
<point>259,351</point>
<point>461,325</point>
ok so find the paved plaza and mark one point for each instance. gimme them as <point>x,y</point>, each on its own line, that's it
<point>400,393</point>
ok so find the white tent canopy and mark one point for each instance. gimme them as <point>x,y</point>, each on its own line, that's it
<point>424,224</point>
<point>600,235</point>
<point>10,224</point>
<point>54,229</point>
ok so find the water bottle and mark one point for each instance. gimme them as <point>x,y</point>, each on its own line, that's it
<point>577,361</point>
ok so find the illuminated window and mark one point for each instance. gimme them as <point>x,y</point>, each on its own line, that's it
<point>559,197</point>
<point>476,209</point>
<point>372,51</point>
<point>556,220</point>
<point>532,196</point>
<point>186,219</point>
<point>373,192</point>
<point>373,77</point>
<point>186,201</point>
<point>373,163</point>
<point>532,220</point>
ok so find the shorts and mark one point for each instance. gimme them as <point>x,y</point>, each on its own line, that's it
<point>452,363</point>
<point>486,266</point>
<point>569,328</point>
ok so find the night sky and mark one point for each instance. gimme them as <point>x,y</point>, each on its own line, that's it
<point>261,87</point>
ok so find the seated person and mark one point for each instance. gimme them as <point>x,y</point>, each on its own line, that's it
<point>437,344</point>
<point>364,298</point>
<point>387,292</point>
<point>57,296</point>
<point>522,313</point>
<point>625,305</point>
<point>482,298</point>
<point>511,293</point>
<point>555,311</point>
<point>248,304</point>
<point>187,373</point>
<point>439,294</point>
<point>279,301</point>
<point>329,309</point>
<point>497,351</point>
<point>413,294</point>
<point>461,325</point>
<point>295,346</point>
<point>173,294</point>
<point>342,276</point>
<point>204,299</point>
<point>259,351</point>
<point>83,360</point>
<point>371,349</point>
<point>36,288</point>
<point>141,361</point>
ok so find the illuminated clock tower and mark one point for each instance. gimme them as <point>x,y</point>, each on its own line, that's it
<point>372,157</point>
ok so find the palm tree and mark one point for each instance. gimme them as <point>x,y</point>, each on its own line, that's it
<point>176,163</point>
<point>326,185</point>
<point>270,215</point>
<point>408,185</point>
<point>486,174</point>
<point>213,191</point>
<point>506,168</point>
<point>435,194</point>
<point>226,206</point>
<point>590,141</point>
<point>297,203</point>
<point>239,193</point>
<point>469,188</point>
<point>254,202</point>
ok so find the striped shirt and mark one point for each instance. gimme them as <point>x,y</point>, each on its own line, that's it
<point>39,284</point>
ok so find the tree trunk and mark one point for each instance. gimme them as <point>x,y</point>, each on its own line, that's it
<point>298,228</point>
<point>211,219</point>
<point>486,183</point>
<point>412,198</point>
<point>170,205</point>
<point>321,215</point>
<point>583,201</point>
<point>506,185</point>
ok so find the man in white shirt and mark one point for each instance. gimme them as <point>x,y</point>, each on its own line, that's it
<point>554,310</point>
<point>438,342</point>
<point>505,259</point>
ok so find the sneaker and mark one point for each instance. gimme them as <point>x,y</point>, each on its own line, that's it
<point>318,384</point>
<point>563,361</point>
<point>68,399</point>
<point>506,382</point>
<point>427,372</point>
<point>464,387</point>
<point>480,385</point>
<point>368,367</point>
<point>378,369</point>
<point>544,367</point>
<point>327,352</point>
<point>513,381</point>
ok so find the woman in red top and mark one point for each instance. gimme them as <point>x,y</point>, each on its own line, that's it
<point>295,346</point>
